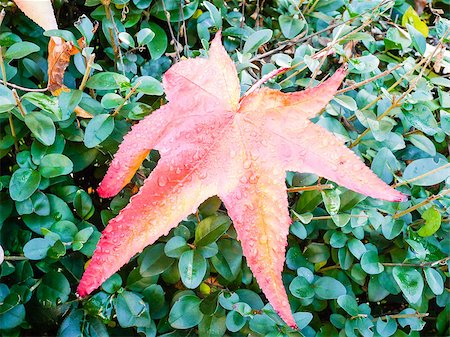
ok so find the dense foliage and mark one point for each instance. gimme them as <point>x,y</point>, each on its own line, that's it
<point>355,266</point>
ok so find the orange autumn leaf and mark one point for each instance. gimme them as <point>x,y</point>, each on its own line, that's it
<point>59,51</point>
<point>212,142</point>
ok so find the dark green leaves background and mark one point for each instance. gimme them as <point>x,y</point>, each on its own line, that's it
<point>354,266</point>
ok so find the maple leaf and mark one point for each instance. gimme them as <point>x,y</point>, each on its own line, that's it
<point>59,51</point>
<point>212,142</point>
<point>41,12</point>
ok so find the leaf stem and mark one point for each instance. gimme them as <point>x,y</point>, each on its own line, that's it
<point>18,102</point>
<point>87,73</point>
<point>127,97</point>
<point>420,204</point>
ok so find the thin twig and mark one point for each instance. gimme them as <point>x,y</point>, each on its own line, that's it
<point>426,201</point>
<point>310,188</point>
<point>296,40</point>
<point>397,102</point>
<point>172,35</point>
<point>15,258</point>
<point>374,78</point>
<point>421,176</point>
<point>18,87</point>
<point>396,316</point>
<point>420,265</point>
<point>392,87</point>
<point>328,217</point>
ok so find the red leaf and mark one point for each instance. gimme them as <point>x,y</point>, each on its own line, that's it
<point>213,143</point>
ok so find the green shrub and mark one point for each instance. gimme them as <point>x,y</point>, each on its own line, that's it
<point>355,266</point>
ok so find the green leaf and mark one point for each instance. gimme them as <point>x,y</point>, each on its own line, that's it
<point>209,230</point>
<point>108,81</point>
<point>212,326</point>
<point>301,288</point>
<point>54,165</point>
<point>410,282</point>
<point>328,288</point>
<point>317,252</point>
<point>7,100</point>
<point>302,319</point>
<point>158,45</point>
<point>290,26</point>
<point>85,27</point>
<point>83,205</point>
<point>149,86</point>
<point>420,166</point>
<point>54,289</point>
<point>356,247</point>
<point>235,321</point>
<point>36,249</point>
<point>131,310</point>
<point>185,313</point>
<point>434,280</point>
<point>384,164</point>
<point>144,36</point>
<point>65,229</point>
<point>412,18</point>
<point>423,142</point>
<point>20,50</point>
<point>299,230</point>
<point>24,182</point>
<point>422,118</point>
<point>256,40</point>
<point>349,304</point>
<point>176,246</point>
<point>44,102</point>
<point>98,129</point>
<point>159,10</point>
<point>331,201</point>
<point>215,14</point>
<point>192,267</point>
<point>433,220</point>
<point>41,127</point>
<point>153,261</point>
<point>64,34</point>
<point>370,263</point>
<point>418,40</point>
<point>12,313</point>
<point>228,260</point>
<point>386,328</point>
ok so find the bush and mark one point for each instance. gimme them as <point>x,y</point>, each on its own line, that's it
<point>355,266</point>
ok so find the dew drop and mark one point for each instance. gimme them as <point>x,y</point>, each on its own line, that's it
<point>162,181</point>
<point>247,163</point>
<point>253,179</point>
